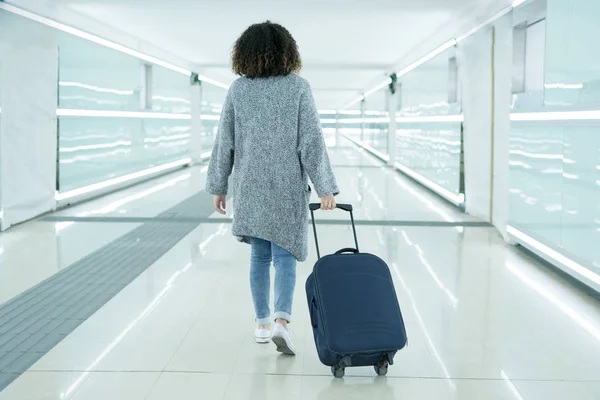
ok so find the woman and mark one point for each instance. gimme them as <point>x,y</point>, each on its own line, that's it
<point>270,131</point>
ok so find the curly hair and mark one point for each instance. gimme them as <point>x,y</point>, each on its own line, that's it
<point>264,50</point>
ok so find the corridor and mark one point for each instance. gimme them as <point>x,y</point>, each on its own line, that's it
<point>173,318</point>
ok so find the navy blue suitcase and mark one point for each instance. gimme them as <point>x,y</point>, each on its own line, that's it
<point>354,310</point>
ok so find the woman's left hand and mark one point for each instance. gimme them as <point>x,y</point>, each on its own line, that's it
<point>328,203</point>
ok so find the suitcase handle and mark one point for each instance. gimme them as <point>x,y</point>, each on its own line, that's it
<point>347,250</point>
<point>346,207</point>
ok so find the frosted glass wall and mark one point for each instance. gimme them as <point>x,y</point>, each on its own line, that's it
<point>93,77</point>
<point>213,98</point>
<point>170,92</point>
<point>555,165</point>
<point>572,54</point>
<point>431,149</point>
<point>350,125</point>
<point>1,56</point>
<point>328,123</point>
<point>376,122</point>
<point>428,122</point>
<point>96,148</point>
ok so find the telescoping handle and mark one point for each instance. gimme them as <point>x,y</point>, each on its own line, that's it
<point>346,207</point>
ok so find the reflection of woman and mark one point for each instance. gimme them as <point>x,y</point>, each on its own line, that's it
<point>270,131</point>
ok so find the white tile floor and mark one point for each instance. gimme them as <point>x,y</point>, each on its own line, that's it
<point>35,251</point>
<point>484,320</point>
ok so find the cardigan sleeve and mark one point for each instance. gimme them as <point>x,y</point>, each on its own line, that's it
<point>312,149</point>
<point>221,161</point>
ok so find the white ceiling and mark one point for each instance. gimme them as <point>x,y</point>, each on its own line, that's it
<point>346,45</point>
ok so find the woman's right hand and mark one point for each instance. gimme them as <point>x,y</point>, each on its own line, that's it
<point>328,203</point>
<point>221,204</point>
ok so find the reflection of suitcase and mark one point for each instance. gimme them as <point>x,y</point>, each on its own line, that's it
<point>353,307</point>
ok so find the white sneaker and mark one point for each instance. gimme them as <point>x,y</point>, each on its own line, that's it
<point>262,335</point>
<point>281,338</point>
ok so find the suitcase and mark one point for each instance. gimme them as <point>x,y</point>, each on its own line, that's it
<point>354,310</point>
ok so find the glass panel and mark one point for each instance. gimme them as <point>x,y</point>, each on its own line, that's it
<point>580,224</point>
<point>93,149</point>
<point>213,98</point>
<point>572,62</point>
<point>171,92</point>
<point>165,140</point>
<point>431,149</point>
<point>93,77</point>
<point>376,126</point>
<point>534,57</point>
<point>536,168</point>
<point>328,123</point>
<point>555,165</point>
<point>3,52</point>
<point>350,124</point>
<point>425,91</point>
<point>555,186</point>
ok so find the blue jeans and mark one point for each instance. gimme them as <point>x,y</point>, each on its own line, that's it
<point>263,253</point>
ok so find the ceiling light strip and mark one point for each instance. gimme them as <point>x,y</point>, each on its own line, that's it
<point>65,112</point>
<point>444,47</point>
<point>485,23</point>
<point>92,38</point>
<point>588,115</point>
<point>214,82</point>
<point>424,59</point>
<point>403,119</point>
<point>382,120</point>
<point>210,117</point>
<point>376,88</point>
<point>328,120</point>
<point>104,42</point>
<point>96,88</point>
<point>431,118</point>
<point>353,102</point>
<point>368,93</point>
<point>517,3</point>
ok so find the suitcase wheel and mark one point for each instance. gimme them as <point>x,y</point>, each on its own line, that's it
<point>338,372</point>
<point>381,368</point>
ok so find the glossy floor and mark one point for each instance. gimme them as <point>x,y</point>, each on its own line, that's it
<point>484,320</point>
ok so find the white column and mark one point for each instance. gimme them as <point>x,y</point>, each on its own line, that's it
<point>363,106</point>
<point>337,130</point>
<point>392,107</point>
<point>503,45</point>
<point>475,71</point>
<point>196,109</point>
<point>145,96</point>
<point>146,86</point>
<point>29,80</point>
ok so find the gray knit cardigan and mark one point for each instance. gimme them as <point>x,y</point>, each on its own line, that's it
<point>271,134</point>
